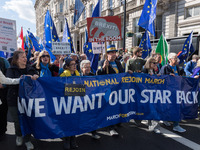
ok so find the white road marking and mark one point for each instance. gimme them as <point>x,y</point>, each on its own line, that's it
<point>177,137</point>
<point>180,139</point>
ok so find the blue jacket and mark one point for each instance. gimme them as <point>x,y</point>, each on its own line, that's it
<point>190,65</point>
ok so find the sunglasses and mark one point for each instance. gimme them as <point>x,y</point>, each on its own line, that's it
<point>72,64</point>
<point>45,56</point>
<point>154,63</point>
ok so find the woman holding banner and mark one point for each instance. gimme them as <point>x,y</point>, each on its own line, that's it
<point>86,71</point>
<point>149,68</point>
<point>17,69</point>
<point>70,70</point>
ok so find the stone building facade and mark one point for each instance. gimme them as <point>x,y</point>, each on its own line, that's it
<point>174,18</point>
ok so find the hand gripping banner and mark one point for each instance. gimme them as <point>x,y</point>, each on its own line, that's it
<point>46,112</point>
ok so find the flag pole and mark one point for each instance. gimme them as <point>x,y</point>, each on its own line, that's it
<point>124,40</point>
<point>107,71</point>
<point>189,49</point>
<point>164,47</point>
<point>150,43</point>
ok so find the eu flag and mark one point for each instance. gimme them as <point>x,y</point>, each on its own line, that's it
<point>34,41</point>
<point>26,46</point>
<point>88,48</point>
<point>78,9</point>
<point>26,43</point>
<point>148,15</point>
<point>95,57</point>
<point>2,54</point>
<point>145,45</point>
<point>50,31</point>
<point>67,36</point>
<point>50,34</point>
<point>97,10</point>
<point>187,50</point>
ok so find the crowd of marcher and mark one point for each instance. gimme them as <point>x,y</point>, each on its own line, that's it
<point>40,65</point>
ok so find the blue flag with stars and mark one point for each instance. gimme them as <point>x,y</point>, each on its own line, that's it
<point>50,31</point>
<point>148,15</point>
<point>97,10</point>
<point>88,48</point>
<point>26,43</point>
<point>95,57</point>
<point>67,36</point>
<point>26,46</point>
<point>187,50</point>
<point>34,41</point>
<point>78,9</point>
<point>145,44</point>
<point>50,34</point>
<point>2,54</point>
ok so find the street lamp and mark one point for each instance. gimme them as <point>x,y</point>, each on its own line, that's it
<point>124,40</point>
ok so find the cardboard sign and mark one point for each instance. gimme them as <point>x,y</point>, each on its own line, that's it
<point>98,48</point>
<point>61,48</point>
<point>102,29</point>
<point>74,90</point>
<point>8,37</point>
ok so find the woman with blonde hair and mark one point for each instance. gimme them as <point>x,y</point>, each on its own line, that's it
<point>149,68</point>
<point>43,65</point>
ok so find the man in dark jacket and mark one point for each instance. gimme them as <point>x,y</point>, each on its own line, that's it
<point>114,66</point>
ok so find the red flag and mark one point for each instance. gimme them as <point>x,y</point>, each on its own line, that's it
<point>20,41</point>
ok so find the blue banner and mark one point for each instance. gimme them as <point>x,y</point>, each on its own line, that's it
<point>46,112</point>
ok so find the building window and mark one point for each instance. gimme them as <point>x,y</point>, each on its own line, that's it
<point>138,32</point>
<point>72,20</point>
<point>192,11</point>
<point>110,5</point>
<point>121,2</point>
<point>66,4</point>
<point>158,26</point>
<point>61,26</point>
<point>84,14</point>
<point>91,9</point>
<point>101,7</point>
<point>61,7</point>
<point>56,8</point>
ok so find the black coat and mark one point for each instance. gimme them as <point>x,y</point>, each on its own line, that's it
<point>53,68</point>
<point>101,71</point>
<point>166,70</point>
<point>144,70</point>
<point>15,72</point>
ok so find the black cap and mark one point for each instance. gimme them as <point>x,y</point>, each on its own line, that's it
<point>67,62</point>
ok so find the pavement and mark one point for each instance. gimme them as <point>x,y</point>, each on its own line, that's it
<point>131,137</point>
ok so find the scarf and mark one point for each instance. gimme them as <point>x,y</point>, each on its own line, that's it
<point>45,72</point>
